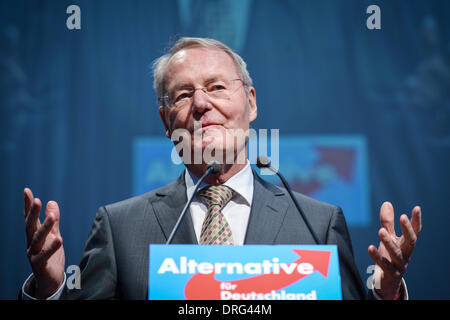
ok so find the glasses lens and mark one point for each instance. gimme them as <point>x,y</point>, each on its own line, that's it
<point>217,90</point>
<point>223,89</point>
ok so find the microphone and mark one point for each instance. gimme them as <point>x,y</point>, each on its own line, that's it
<point>213,168</point>
<point>264,162</point>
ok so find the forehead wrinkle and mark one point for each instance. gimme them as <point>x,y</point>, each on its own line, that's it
<point>182,60</point>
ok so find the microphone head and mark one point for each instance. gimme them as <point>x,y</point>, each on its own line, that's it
<point>215,166</point>
<point>263,162</point>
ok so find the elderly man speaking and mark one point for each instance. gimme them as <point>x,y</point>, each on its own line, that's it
<point>205,91</point>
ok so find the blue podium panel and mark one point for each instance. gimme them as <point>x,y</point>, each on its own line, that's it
<point>250,272</point>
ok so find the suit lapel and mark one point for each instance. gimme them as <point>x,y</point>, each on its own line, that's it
<point>267,213</point>
<point>168,204</point>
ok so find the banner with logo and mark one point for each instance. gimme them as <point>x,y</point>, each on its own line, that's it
<point>250,272</point>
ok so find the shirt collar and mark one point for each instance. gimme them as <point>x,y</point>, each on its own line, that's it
<point>241,182</point>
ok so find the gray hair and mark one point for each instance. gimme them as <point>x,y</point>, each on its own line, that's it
<point>160,65</point>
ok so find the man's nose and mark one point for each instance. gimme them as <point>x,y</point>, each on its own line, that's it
<point>200,101</point>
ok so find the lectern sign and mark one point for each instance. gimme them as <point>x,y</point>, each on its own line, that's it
<point>250,272</point>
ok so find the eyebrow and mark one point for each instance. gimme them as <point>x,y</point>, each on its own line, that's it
<point>183,85</point>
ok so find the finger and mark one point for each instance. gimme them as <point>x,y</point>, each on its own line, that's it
<point>48,251</point>
<point>409,235</point>
<point>416,219</point>
<point>387,217</point>
<point>52,207</point>
<point>28,201</point>
<point>32,222</point>
<point>395,253</point>
<point>383,262</point>
<point>41,234</point>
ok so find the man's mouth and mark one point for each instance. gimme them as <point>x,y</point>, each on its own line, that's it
<point>211,126</point>
<point>207,125</point>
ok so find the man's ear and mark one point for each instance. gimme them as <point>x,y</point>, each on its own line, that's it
<point>163,118</point>
<point>253,109</point>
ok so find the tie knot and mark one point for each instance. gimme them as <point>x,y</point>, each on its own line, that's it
<point>216,195</point>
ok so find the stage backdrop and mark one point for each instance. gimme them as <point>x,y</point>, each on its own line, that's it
<point>363,115</point>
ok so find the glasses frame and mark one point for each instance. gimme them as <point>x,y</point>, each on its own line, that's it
<point>166,100</point>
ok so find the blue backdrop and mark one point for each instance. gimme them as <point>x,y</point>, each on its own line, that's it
<point>74,101</point>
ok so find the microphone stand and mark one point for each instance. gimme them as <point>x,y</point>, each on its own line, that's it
<point>264,162</point>
<point>212,168</point>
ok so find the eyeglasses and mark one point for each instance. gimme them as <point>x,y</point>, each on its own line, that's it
<point>218,89</point>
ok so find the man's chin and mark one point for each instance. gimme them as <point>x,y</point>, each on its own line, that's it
<point>209,144</point>
<point>211,149</point>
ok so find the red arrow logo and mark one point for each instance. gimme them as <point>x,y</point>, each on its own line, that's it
<point>206,287</point>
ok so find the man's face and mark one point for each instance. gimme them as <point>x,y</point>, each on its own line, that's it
<point>215,118</point>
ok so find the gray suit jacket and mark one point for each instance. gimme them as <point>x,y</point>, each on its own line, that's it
<point>114,263</point>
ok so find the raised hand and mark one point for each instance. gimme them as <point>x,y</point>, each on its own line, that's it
<point>394,253</point>
<point>44,246</point>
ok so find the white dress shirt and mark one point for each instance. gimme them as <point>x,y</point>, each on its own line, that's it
<point>237,210</point>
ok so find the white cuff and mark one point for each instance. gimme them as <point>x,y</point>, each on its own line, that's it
<point>26,286</point>
<point>405,291</point>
